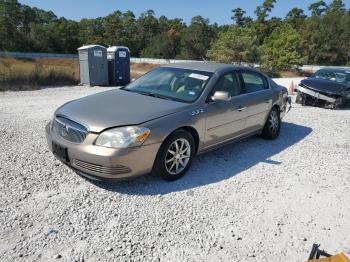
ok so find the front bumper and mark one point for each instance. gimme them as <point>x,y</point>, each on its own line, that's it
<point>316,94</point>
<point>334,99</point>
<point>101,163</point>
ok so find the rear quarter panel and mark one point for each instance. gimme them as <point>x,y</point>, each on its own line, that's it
<point>279,95</point>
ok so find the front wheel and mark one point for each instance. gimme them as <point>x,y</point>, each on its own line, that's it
<point>273,125</point>
<point>175,156</point>
<point>299,99</point>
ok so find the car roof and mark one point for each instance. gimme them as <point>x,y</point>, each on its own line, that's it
<point>205,66</point>
<point>336,69</point>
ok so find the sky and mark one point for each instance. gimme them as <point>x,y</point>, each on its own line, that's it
<point>218,11</point>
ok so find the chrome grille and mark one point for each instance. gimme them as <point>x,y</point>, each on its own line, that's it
<point>69,130</point>
<point>116,170</point>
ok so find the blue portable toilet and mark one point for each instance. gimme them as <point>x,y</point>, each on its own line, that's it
<point>118,65</point>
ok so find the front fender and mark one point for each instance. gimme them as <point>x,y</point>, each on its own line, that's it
<point>162,127</point>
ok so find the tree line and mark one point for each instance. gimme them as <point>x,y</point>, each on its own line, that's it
<point>321,38</point>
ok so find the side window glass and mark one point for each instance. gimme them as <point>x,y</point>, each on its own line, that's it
<point>253,82</point>
<point>228,83</point>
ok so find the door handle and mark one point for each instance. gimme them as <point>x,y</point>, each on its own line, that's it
<point>241,108</point>
<point>268,101</point>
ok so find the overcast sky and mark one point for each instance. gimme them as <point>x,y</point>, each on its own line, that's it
<point>218,11</point>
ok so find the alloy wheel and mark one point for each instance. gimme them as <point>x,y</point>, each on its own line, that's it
<point>177,156</point>
<point>273,122</point>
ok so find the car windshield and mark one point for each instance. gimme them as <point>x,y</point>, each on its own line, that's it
<point>176,84</point>
<point>340,76</point>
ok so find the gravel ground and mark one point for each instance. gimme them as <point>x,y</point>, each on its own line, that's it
<point>255,200</point>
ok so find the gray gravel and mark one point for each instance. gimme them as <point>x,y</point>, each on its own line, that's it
<point>253,201</point>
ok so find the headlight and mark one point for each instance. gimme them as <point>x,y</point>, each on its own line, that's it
<point>123,137</point>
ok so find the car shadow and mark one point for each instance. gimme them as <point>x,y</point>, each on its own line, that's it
<point>217,165</point>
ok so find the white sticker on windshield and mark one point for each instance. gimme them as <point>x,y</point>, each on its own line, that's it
<point>191,93</point>
<point>198,76</point>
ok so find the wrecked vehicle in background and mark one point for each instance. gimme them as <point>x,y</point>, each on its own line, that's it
<point>328,87</point>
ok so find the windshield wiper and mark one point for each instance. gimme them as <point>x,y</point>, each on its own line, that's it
<point>150,94</point>
<point>155,95</point>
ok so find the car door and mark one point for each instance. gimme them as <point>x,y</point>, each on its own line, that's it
<point>224,119</point>
<point>258,99</point>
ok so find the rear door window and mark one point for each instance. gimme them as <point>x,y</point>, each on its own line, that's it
<point>253,82</point>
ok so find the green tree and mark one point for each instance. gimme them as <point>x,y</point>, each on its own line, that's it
<point>296,17</point>
<point>148,27</point>
<point>163,24</point>
<point>280,49</point>
<point>61,36</point>
<point>153,49</point>
<point>10,21</point>
<point>67,35</point>
<point>263,11</point>
<point>264,27</point>
<point>236,45</point>
<point>113,30</point>
<point>130,32</point>
<point>318,8</point>
<point>165,45</point>
<point>337,6</point>
<point>176,24</point>
<point>238,17</point>
<point>196,39</point>
<point>325,38</point>
<point>43,17</point>
<point>171,45</point>
<point>91,31</point>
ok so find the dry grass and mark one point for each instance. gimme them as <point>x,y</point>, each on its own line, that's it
<point>138,70</point>
<point>293,74</point>
<point>26,74</point>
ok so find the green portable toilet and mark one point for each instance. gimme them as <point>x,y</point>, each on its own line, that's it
<point>93,65</point>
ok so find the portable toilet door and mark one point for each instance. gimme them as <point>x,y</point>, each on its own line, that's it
<point>93,65</point>
<point>119,65</point>
<point>111,66</point>
<point>84,66</point>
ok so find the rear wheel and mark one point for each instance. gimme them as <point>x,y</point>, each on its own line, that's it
<point>175,156</point>
<point>272,125</point>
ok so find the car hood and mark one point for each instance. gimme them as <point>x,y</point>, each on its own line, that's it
<point>326,86</point>
<point>117,108</point>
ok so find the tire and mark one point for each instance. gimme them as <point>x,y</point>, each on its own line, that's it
<point>299,99</point>
<point>170,163</point>
<point>273,125</point>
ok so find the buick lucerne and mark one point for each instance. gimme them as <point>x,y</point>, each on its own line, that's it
<point>161,121</point>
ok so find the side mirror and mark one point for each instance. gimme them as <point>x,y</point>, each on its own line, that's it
<point>221,96</point>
